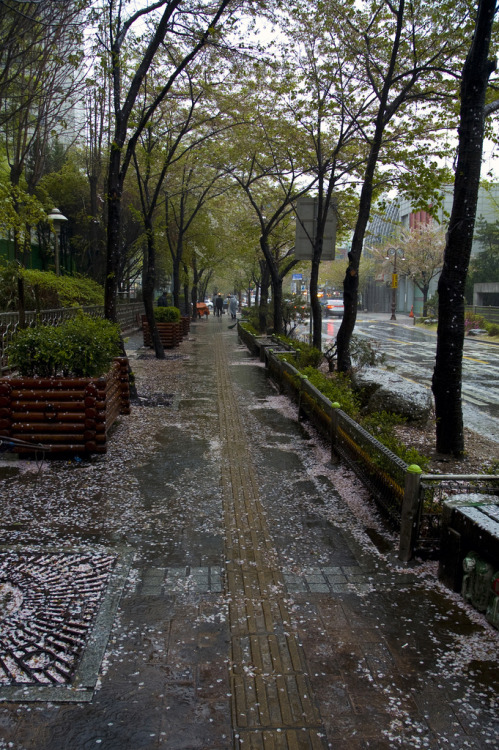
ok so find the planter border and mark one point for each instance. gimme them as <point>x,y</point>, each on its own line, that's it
<point>171,334</point>
<point>64,415</point>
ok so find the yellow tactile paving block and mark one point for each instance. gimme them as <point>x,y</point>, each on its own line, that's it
<point>271,694</point>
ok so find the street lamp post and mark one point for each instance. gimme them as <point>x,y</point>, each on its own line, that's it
<point>395,279</point>
<point>57,218</point>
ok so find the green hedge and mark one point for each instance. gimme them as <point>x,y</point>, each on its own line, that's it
<point>80,347</point>
<point>166,314</point>
<point>43,290</point>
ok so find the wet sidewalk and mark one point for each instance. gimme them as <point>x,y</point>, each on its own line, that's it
<point>238,598</point>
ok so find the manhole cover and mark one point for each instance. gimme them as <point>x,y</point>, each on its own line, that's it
<point>50,603</point>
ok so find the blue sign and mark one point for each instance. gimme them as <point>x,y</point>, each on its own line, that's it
<point>297,277</point>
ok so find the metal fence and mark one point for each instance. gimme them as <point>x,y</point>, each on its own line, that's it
<point>491,314</point>
<point>410,500</point>
<point>128,315</point>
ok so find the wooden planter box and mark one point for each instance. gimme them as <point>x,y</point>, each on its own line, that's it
<point>170,333</point>
<point>65,415</point>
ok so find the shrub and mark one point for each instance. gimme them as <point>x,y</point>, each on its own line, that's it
<point>366,353</point>
<point>381,426</point>
<point>79,347</point>
<point>44,290</point>
<point>432,306</point>
<point>492,328</point>
<point>472,321</point>
<point>492,467</point>
<point>250,328</point>
<point>335,388</point>
<point>167,314</point>
<point>251,317</point>
<point>307,356</point>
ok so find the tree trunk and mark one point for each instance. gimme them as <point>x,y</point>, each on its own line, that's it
<point>148,285</point>
<point>264,295</point>
<point>447,375</point>
<point>351,281</point>
<point>176,280</point>
<point>425,290</point>
<point>186,291</point>
<point>272,270</point>
<point>114,190</point>
<point>194,287</point>
<point>350,292</point>
<point>277,304</point>
<point>315,305</point>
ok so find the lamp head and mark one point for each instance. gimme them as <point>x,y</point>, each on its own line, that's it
<point>55,215</point>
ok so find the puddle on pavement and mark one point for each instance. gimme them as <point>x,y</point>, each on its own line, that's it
<point>275,421</point>
<point>252,379</point>
<point>7,472</point>
<point>155,399</point>
<point>202,402</point>
<point>274,459</point>
<point>179,476</point>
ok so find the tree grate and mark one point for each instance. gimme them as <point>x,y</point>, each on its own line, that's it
<point>48,605</point>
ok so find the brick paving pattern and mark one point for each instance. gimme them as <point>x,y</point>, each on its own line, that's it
<point>251,609</point>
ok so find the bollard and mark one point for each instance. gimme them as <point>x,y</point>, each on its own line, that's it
<point>409,521</point>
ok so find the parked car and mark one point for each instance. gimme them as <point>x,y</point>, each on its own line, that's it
<point>334,307</point>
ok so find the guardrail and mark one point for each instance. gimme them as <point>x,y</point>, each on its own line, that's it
<point>412,501</point>
<point>128,315</point>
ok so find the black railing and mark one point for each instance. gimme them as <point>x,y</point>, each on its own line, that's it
<point>411,500</point>
<point>128,315</point>
<point>491,314</point>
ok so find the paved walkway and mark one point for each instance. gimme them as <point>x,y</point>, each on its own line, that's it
<point>248,606</point>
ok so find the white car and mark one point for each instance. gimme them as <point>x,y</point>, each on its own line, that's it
<point>334,307</point>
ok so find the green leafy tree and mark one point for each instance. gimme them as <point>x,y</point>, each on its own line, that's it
<point>41,52</point>
<point>262,161</point>
<point>408,55</point>
<point>187,29</point>
<point>420,255</point>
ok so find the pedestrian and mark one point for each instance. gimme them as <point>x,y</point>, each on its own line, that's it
<point>233,306</point>
<point>162,300</point>
<point>219,305</point>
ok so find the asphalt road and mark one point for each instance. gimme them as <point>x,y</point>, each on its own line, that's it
<point>410,351</point>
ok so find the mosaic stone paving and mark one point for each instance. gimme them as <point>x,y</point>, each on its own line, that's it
<point>56,610</point>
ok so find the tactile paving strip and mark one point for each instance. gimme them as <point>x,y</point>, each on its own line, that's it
<point>272,701</point>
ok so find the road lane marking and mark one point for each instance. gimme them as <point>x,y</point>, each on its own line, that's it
<point>480,361</point>
<point>474,400</point>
